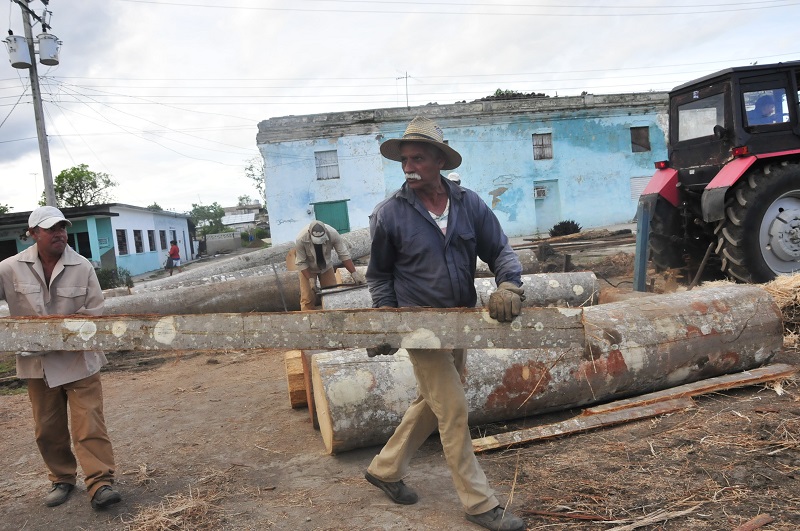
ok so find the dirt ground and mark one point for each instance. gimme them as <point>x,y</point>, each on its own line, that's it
<point>209,441</point>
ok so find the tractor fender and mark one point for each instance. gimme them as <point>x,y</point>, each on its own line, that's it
<point>664,183</point>
<point>713,200</point>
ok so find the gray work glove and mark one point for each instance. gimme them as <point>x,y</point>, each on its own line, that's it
<point>358,278</point>
<point>506,302</point>
<point>381,350</point>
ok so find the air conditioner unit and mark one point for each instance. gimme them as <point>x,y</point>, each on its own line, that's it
<point>539,192</point>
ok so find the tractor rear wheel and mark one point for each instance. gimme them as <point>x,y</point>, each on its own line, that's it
<point>666,249</point>
<point>760,235</point>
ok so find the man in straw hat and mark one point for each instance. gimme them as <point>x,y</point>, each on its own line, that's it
<point>426,238</point>
<point>50,278</point>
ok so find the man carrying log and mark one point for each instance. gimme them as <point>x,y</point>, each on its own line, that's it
<point>313,260</point>
<point>50,278</point>
<point>426,238</point>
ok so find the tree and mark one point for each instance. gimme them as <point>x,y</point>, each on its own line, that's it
<point>79,186</point>
<point>207,218</point>
<point>245,200</point>
<point>4,208</point>
<point>255,171</point>
<point>155,207</point>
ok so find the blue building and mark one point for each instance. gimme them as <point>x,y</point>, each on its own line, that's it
<point>110,236</point>
<point>535,161</point>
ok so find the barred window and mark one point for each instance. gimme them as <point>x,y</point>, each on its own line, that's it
<point>640,139</point>
<point>543,146</point>
<point>138,243</point>
<point>151,240</point>
<point>327,165</point>
<point>122,241</point>
<point>162,236</point>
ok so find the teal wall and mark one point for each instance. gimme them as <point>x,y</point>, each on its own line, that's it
<point>592,178</point>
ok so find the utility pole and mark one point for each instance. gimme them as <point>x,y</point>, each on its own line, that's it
<point>44,148</point>
<point>406,78</point>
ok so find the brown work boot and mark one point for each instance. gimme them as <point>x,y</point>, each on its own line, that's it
<point>58,494</point>
<point>104,497</point>
<point>397,491</point>
<point>497,519</point>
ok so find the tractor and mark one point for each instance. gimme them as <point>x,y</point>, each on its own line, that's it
<point>727,202</point>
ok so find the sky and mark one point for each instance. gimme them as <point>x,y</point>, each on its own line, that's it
<point>165,96</point>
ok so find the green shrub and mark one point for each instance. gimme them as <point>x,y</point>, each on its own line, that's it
<point>114,278</point>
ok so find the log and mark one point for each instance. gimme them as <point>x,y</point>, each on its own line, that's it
<point>312,409</point>
<point>336,329</point>
<point>358,241</point>
<point>541,290</point>
<point>579,424</point>
<point>295,379</point>
<point>277,293</point>
<point>631,347</point>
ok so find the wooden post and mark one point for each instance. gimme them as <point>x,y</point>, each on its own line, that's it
<point>295,379</point>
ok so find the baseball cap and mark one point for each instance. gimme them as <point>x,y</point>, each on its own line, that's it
<point>45,217</point>
<point>317,232</point>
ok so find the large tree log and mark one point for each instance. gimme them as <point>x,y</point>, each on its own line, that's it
<point>254,262</point>
<point>631,347</point>
<point>550,289</point>
<point>337,329</point>
<point>278,293</point>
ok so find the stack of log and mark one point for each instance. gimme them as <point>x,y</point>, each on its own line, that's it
<point>599,353</point>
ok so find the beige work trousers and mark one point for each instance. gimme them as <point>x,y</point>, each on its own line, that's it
<point>84,399</point>
<point>308,299</point>
<point>441,402</point>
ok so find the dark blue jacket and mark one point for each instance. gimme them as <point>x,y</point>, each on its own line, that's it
<point>413,264</point>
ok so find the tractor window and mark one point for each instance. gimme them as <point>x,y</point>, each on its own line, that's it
<point>697,118</point>
<point>763,107</point>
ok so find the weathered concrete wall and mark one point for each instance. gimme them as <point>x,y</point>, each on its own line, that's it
<point>593,162</point>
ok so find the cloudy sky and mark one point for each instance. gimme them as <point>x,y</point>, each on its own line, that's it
<point>165,95</point>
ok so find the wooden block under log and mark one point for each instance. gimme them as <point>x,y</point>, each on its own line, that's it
<point>295,378</point>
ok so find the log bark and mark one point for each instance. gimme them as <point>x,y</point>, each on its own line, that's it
<point>337,329</point>
<point>569,290</point>
<point>277,293</point>
<point>295,380</point>
<point>631,347</point>
<point>250,264</point>
<point>580,424</point>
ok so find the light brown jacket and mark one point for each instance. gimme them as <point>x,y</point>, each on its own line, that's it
<point>73,289</point>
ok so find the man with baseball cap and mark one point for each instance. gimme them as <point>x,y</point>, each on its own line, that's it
<point>426,238</point>
<point>50,278</point>
<point>313,259</point>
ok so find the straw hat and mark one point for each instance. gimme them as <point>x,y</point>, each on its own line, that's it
<point>424,130</point>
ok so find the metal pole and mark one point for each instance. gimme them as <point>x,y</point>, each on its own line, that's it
<point>44,149</point>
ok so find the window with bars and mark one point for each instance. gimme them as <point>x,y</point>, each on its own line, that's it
<point>543,146</point>
<point>327,165</point>
<point>640,139</point>
<point>138,243</point>
<point>162,236</point>
<point>122,241</point>
<point>151,240</point>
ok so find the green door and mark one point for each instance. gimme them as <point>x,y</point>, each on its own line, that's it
<point>333,213</point>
